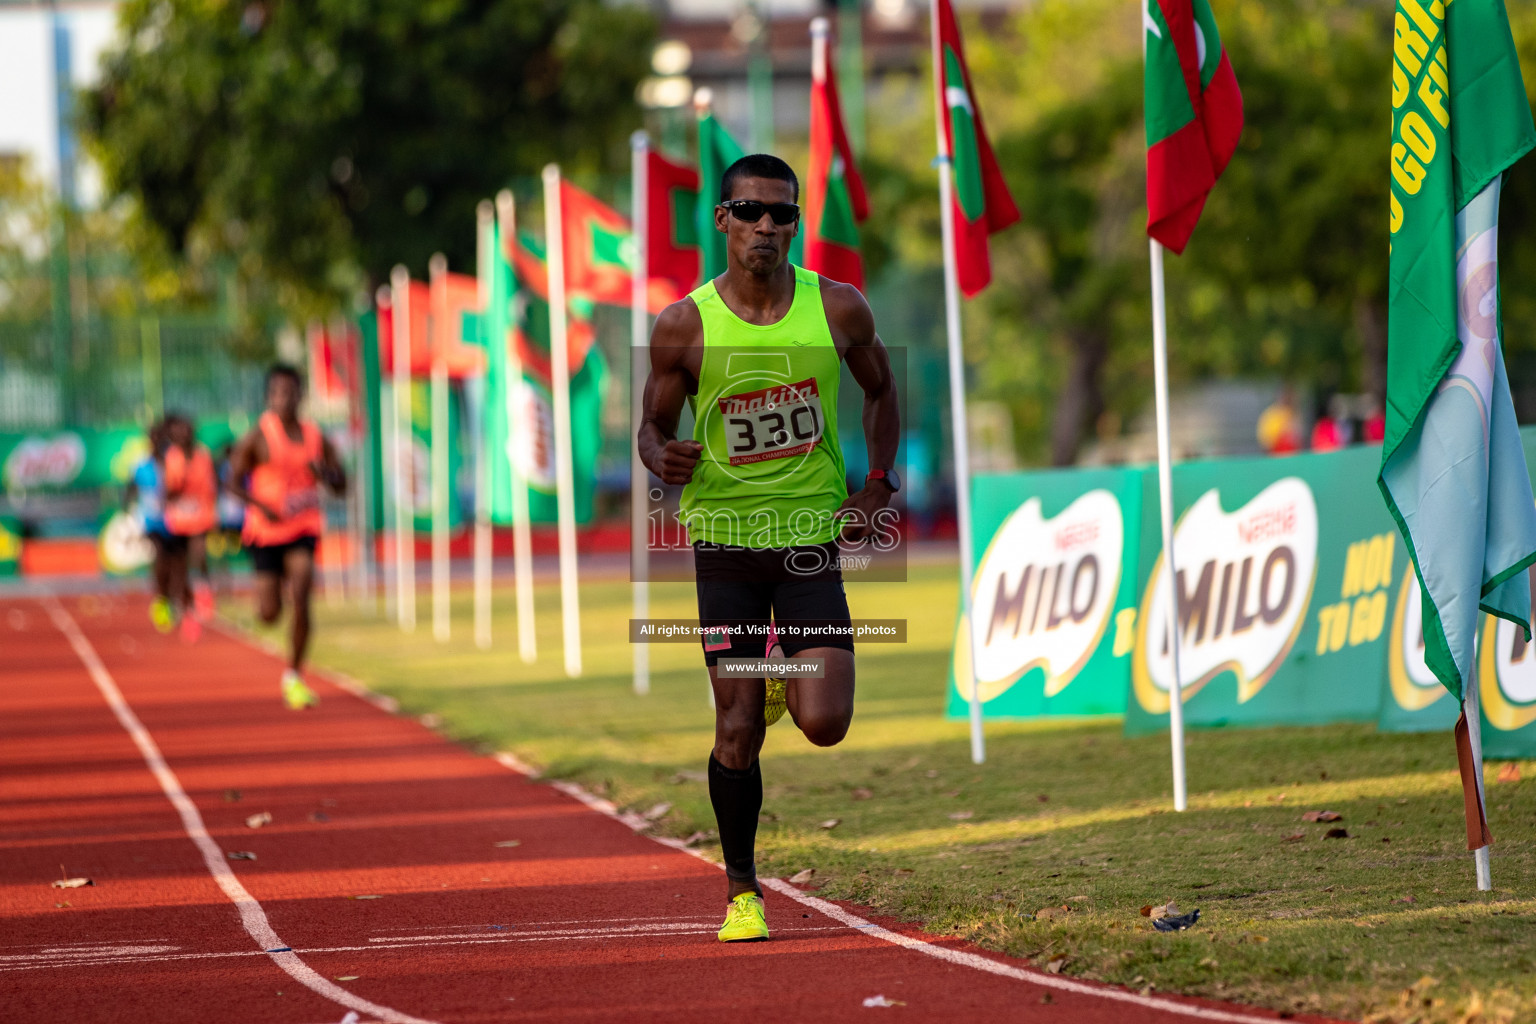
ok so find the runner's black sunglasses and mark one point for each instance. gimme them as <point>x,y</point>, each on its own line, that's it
<point>751,211</point>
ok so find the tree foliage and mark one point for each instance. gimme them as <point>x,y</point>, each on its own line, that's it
<point>322,142</point>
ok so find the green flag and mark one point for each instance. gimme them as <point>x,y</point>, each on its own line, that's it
<point>717,151</point>
<point>1453,471</point>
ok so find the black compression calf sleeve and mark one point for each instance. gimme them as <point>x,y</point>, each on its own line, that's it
<point>737,797</point>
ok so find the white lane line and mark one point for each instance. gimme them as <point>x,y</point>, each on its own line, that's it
<point>957,957</point>
<point>252,916</point>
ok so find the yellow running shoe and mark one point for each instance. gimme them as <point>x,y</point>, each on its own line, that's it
<point>295,694</point>
<point>744,920</point>
<point>775,699</point>
<point>162,615</point>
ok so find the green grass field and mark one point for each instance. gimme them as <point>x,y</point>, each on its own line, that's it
<point>1384,925</point>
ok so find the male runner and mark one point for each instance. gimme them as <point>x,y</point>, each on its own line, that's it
<point>757,352</point>
<point>276,470</point>
<point>191,493</point>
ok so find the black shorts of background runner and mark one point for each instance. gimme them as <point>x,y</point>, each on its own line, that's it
<point>168,543</point>
<point>272,557</point>
<point>740,589</point>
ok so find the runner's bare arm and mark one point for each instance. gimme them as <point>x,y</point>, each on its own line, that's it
<point>666,388</point>
<point>249,452</point>
<point>853,329</point>
<point>329,469</point>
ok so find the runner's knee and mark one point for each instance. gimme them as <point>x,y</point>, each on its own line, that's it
<point>824,730</point>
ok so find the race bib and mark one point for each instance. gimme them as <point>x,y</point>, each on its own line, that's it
<point>773,423</point>
<point>301,500</point>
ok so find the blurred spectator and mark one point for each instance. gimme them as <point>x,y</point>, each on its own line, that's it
<point>1332,428</point>
<point>1374,427</point>
<point>1279,432</point>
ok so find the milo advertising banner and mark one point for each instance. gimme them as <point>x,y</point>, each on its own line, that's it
<point>1284,573</point>
<point>1055,605</point>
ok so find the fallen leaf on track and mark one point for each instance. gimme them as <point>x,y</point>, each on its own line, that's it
<point>1157,912</point>
<point>861,794</point>
<point>1337,833</point>
<point>1322,816</point>
<point>1294,837</point>
<point>874,1001</point>
<point>71,883</point>
<point>1052,913</point>
<point>961,815</point>
<point>365,897</point>
<point>63,906</point>
<point>347,977</point>
<point>831,823</point>
<point>258,820</point>
<point>240,855</point>
<point>319,817</point>
<point>802,877</point>
<point>231,796</point>
<point>507,844</point>
<point>1509,772</point>
<point>1056,963</point>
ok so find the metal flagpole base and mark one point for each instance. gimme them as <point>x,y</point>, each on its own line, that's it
<point>1484,869</point>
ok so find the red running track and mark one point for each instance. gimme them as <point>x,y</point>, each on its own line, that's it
<point>582,920</point>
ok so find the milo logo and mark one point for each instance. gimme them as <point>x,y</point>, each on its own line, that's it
<point>44,462</point>
<point>1244,582</point>
<point>1414,686</point>
<point>1506,675</point>
<point>1043,594</point>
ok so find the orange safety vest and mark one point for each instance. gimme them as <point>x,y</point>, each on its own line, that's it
<point>285,482</point>
<point>194,509</point>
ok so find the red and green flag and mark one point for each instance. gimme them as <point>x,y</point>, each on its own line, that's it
<point>597,247</point>
<point>983,205</point>
<point>835,201</point>
<point>1194,114</point>
<point>672,254</point>
<point>717,151</point>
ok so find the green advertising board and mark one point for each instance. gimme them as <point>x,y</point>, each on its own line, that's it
<point>1054,602</point>
<point>84,458</point>
<point>1285,572</point>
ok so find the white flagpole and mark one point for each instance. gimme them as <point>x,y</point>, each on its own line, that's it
<point>1471,706</point>
<point>959,423</point>
<point>522,540</point>
<point>570,600</point>
<point>1165,504</point>
<point>404,454</point>
<point>639,477</point>
<point>357,493</point>
<point>484,214</point>
<point>388,421</point>
<point>442,487</point>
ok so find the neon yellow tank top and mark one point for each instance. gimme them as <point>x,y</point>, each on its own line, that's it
<point>771,473</point>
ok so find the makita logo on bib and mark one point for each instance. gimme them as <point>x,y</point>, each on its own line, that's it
<point>1244,581</point>
<point>1045,591</point>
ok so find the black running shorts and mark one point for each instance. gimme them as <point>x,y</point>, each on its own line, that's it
<point>271,558</point>
<point>741,589</point>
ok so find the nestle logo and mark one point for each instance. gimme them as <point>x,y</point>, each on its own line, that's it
<point>1275,522</point>
<point>1076,535</point>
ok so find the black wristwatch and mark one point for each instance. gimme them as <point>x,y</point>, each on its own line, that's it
<point>885,476</point>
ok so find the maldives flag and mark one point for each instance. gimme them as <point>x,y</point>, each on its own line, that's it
<point>453,297</point>
<point>982,203</point>
<point>717,151</point>
<point>597,240</point>
<point>1194,114</point>
<point>835,201</point>
<point>673,258</point>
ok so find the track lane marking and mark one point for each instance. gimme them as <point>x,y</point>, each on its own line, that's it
<point>252,916</point>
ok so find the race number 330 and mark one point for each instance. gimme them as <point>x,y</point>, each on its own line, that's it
<point>773,423</point>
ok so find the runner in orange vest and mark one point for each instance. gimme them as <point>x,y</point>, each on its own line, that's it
<point>277,470</point>
<point>191,493</point>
